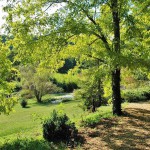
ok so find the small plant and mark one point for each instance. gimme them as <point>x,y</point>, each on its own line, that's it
<point>59,128</point>
<point>24,103</point>
<point>92,119</point>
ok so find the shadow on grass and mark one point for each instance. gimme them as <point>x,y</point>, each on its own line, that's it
<point>140,114</point>
<point>130,132</point>
<point>26,107</point>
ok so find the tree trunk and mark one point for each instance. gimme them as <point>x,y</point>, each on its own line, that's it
<point>116,95</point>
<point>93,105</point>
<point>99,89</point>
<point>99,93</point>
<point>38,96</point>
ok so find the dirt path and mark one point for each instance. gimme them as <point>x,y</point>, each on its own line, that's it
<point>130,132</point>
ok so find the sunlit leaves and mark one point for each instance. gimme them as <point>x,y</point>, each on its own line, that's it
<point>7,99</point>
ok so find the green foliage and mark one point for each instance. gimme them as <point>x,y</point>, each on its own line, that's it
<point>23,121</point>
<point>26,93</point>
<point>136,95</point>
<point>58,128</point>
<point>91,90</point>
<point>30,144</point>
<point>23,103</point>
<point>67,82</point>
<point>83,30</point>
<point>69,64</point>
<point>37,81</point>
<point>7,99</point>
<point>93,118</point>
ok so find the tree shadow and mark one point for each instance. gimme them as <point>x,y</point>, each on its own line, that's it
<point>140,114</point>
<point>132,133</point>
<point>129,132</point>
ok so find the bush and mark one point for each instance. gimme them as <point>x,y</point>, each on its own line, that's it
<point>26,94</point>
<point>30,144</point>
<point>24,103</point>
<point>93,118</point>
<point>140,94</point>
<point>66,82</point>
<point>59,128</point>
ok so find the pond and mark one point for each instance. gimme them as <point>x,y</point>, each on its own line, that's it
<point>59,99</point>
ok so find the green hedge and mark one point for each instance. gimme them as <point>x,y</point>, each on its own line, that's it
<point>136,95</point>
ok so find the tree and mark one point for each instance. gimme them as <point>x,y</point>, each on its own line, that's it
<point>7,99</point>
<point>37,80</point>
<point>90,91</point>
<point>99,28</point>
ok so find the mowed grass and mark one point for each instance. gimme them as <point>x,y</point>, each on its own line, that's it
<point>28,121</point>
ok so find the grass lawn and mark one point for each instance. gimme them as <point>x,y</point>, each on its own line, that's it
<point>27,122</point>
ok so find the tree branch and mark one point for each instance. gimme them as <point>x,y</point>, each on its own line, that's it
<point>101,36</point>
<point>93,41</point>
<point>100,60</point>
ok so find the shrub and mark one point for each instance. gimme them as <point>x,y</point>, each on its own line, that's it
<point>30,144</point>
<point>26,93</point>
<point>135,95</point>
<point>93,118</point>
<point>23,103</point>
<point>58,128</point>
<point>66,82</point>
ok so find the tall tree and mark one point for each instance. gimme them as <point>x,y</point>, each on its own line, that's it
<point>116,95</point>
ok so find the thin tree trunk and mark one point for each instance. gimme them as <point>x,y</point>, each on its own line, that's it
<point>93,105</point>
<point>116,95</point>
<point>99,89</point>
<point>38,96</point>
<point>99,93</point>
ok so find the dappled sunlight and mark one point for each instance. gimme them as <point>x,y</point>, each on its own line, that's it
<point>124,133</point>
